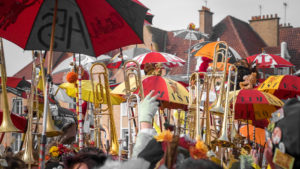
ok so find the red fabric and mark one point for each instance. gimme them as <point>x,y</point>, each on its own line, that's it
<point>260,123</point>
<point>85,76</point>
<point>119,34</point>
<point>289,87</point>
<point>245,100</point>
<point>154,57</point>
<point>114,65</point>
<point>158,84</point>
<point>19,122</point>
<point>23,16</point>
<point>205,64</point>
<point>264,60</point>
<point>12,81</point>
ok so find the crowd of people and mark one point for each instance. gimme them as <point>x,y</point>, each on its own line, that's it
<point>152,151</point>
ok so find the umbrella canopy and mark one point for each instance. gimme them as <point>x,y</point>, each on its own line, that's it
<point>128,54</point>
<point>81,27</point>
<point>190,34</point>
<point>283,86</point>
<point>87,92</point>
<point>64,66</point>
<point>259,134</point>
<point>252,104</point>
<point>207,49</point>
<point>264,60</point>
<point>167,59</point>
<point>148,17</point>
<point>171,93</point>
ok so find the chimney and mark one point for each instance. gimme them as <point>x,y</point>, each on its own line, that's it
<point>267,27</point>
<point>205,20</point>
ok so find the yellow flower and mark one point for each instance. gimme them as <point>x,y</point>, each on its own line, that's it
<point>54,151</point>
<point>164,136</point>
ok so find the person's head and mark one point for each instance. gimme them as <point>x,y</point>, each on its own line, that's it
<point>191,163</point>
<point>85,160</point>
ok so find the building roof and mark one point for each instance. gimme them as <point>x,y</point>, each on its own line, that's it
<point>239,35</point>
<point>27,70</point>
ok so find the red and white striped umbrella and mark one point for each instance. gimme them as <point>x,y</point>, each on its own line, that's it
<point>265,60</point>
<point>167,59</point>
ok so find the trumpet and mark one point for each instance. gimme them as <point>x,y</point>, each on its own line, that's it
<point>7,125</point>
<point>132,99</point>
<point>101,93</point>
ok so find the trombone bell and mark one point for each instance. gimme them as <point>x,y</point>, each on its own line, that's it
<point>218,110</point>
<point>51,129</point>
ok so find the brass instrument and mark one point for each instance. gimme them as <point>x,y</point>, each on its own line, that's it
<point>51,129</point>
<point>195,97</point>
<point>132,72</point>
<point>28,152</point>
<point>221,48</point>
<point>223,140</point>
<point>7,125</point>
<point>100,87</point>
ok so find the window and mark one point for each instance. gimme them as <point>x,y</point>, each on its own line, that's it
<point>16,137</point>
<point>125,138</point>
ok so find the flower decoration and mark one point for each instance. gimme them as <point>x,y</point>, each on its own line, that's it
<point>192,26</point>
<point>199,150</point>
<point>72,77</point>
<point>165,136</point>
<point>54,151</point>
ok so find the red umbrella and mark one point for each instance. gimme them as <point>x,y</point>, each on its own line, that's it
<point>167,59</point>
<point>281,86</point>
<point>254,105</point>
<point>265,60</point>
<point>81,27</point>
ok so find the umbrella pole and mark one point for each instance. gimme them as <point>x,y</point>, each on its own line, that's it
<point>188,63</point>
<point>80,121</point>
<point>44,137</point>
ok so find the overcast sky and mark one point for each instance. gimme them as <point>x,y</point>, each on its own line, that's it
<point>177,14</point>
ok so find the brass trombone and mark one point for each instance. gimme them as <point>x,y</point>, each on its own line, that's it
<point>223,140</point>
<point>7,125</point>
<point>101,92</point>
<point>195,97</point>
<point>132,99</point>
<point>221,49</point>
<point>28,152</point>
<point>51,129</point>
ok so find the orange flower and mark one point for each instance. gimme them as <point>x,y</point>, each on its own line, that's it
<point>164,136</point>
<point>72,77</point>
<point>199,150</point>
